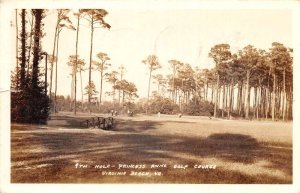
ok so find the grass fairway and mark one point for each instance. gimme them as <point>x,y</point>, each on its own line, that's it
<point>241,151</point>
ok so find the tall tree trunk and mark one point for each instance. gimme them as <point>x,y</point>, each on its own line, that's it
<point>254,101</point>
<point>23,50</point>
<point>243,98</point>
<point>268,97</point>
<point>119,96</point>
<point>38,103</point>
<point>223,102</point>
<point>267,103</point>
<point>274,97</point>
<point>81,90</point>
<point>76,64</point>
<point>240,98</point>
<point>278,102</point>
<point>46,73</point>
<point>30,45</point>
<point>247,94</point>
<point>287,104</point>
<point>270,101</point>
<point>17,52</point>
<point>198,92</point>
<point>56,61</point>
<point>206,91</point>
<point>212,94</point>
<point>123,97</point>
<point>90,67</point>
<point>150,74</point>
<point>187,97</point>
<point>262,101</point>
<point>173,86</point>
<point>219,98</point>
<point>216,96</point>
<point>121,78</point>
<point>258,101</point>
<point>181,96</point>
<point>290,104</point>
<point>176,95</point>
<point>53,56</point>
<point>227,98</point>
<point>36,49</point>
<point>284,98</point>
<point>72,89</point>
<point>100,93</point>
<point>230,98</point>
<point>114,95</point>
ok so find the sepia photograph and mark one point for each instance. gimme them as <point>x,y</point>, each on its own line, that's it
<point>151,95</point>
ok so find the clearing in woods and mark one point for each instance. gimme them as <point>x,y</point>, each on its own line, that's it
<point>241,151</point>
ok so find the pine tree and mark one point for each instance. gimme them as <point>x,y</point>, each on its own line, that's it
<point>153,64</point>
<point>221,55</point>
<point>30,104</point>
<point>39,101</point>
<point>95,17</point>
<point>19,104</point>
<point>101,66</point>
<point>112,78</point>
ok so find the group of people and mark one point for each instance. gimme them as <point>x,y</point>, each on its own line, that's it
<point>130,114</point>
<point>115,113</point>
<point>211,114</point>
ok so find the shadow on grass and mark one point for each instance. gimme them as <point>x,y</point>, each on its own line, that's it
<point>67,121</point>
<point>136,147</point>
<point>120,124</point>
<point>134,126</point>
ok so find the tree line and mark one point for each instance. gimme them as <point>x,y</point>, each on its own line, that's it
<point>250,83</point>
<point>95,17</point>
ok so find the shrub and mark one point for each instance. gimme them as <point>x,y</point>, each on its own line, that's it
<point>162,105</point>
<point>199,108</point>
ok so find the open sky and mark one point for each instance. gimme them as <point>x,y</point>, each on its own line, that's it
<point>182,34</point>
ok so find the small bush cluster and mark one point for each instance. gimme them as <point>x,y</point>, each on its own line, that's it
<point>199,108</point>
<point>162,105</point>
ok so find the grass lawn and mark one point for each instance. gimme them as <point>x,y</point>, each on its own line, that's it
<point>237,151</point>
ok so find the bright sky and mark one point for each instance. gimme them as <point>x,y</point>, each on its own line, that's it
<point>185,35</point>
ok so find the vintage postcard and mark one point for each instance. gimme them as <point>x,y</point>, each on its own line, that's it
<point>146,95</point>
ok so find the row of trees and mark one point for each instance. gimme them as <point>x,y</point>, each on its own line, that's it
<point>127,90</point>
<point>251,83</point>
<point>95,18</point>
<point>29,101</point>
<point>27,78</point>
